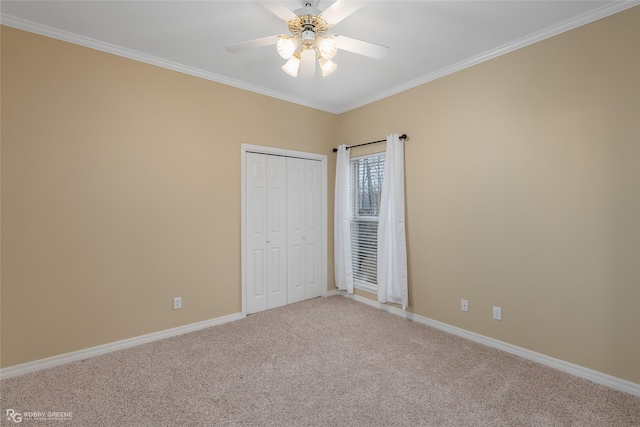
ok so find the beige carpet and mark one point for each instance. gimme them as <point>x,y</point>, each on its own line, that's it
<point>323,362</point>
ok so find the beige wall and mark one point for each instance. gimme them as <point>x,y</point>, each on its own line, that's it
<point>121,190</point>
<point>523,191</point>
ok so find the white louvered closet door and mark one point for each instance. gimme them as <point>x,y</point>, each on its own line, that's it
<point>304,190</point>
<point>266,237</point>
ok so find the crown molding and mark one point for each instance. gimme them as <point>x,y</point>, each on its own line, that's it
<point>586,18</point>
<point>44,30</point>
<point>554,30</point>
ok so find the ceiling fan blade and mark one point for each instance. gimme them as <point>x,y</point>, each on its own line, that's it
<point>280,10</point>
<point>360,47</point>
<point>340,10</point>
<point>252,44</point>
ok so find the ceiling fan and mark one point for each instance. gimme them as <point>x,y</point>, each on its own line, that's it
<point>309,40</point>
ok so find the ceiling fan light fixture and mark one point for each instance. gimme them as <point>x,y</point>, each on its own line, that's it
<point>327,66</point>
<point>309,41</point>
<point>327,46</point>
<point>286,46</point>
<point>308,64</point>
<point>308,35</point>
<point>292,66</point>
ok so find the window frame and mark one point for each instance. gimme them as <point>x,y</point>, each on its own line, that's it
<point>358,282</point>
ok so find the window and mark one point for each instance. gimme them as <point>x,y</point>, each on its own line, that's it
<point>366,185</point>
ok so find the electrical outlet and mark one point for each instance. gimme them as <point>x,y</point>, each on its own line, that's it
<point>464,305</point>
<point>497,313</point>
<point>177,303</point>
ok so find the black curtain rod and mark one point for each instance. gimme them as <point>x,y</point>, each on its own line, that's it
<point>403,136</point>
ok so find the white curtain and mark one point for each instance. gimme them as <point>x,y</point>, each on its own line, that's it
<point>342,224</point>
<point>392,242</point>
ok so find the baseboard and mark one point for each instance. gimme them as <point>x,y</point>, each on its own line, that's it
<point>50,362</point>
<point>334,292</point>
<point>577,370</point>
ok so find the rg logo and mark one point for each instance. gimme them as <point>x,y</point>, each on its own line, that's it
<point>16,417</point>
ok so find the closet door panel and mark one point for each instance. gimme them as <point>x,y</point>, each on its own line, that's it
<point>304,230</point>
<point>256,235</point>
<point>296,273</point>
<point>276,237</point>
<point>313,231</point>
<point>295,231</point>
<point>283,197</point>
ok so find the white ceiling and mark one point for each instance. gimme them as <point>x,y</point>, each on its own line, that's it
<point>427,39</point>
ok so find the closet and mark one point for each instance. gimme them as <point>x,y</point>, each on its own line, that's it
<point>283,230</point>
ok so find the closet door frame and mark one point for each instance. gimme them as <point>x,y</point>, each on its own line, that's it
<point>244,148</point>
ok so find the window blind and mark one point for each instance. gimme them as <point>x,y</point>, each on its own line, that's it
<point>366,186</point>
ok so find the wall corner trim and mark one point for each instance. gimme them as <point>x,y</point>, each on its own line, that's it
<point>561,365</point>
<point>62,359</point>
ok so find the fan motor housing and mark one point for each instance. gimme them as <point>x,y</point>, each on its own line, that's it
<point>308,23</point>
